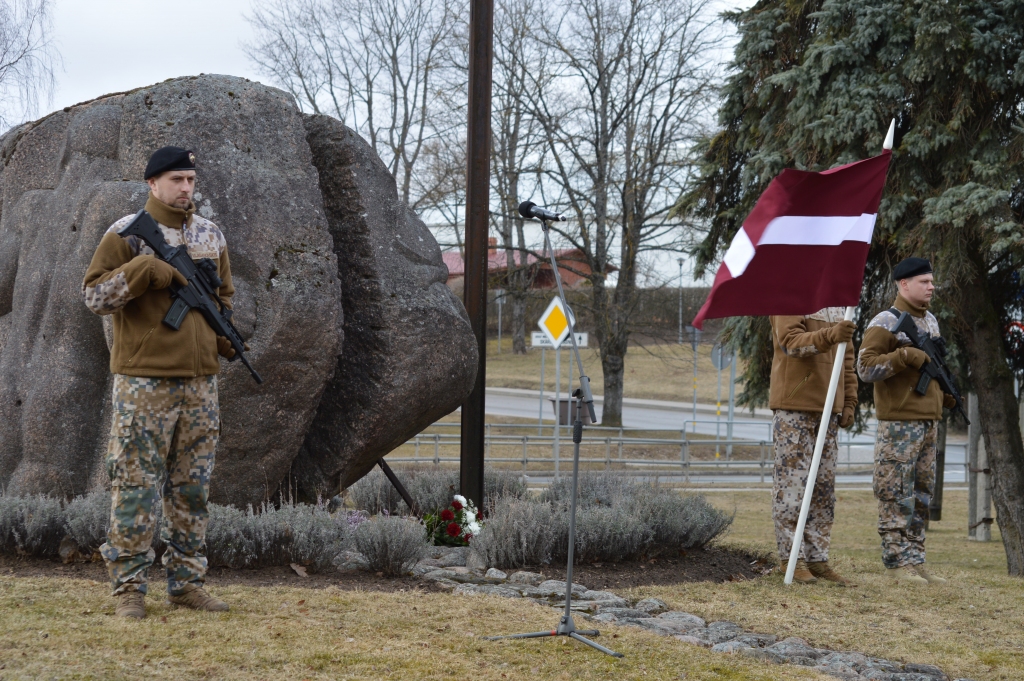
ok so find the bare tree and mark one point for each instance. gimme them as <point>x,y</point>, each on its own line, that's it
<point>634,83</point>
<point>517,146</point>
<point>377,65</point>
<point>28,58</point>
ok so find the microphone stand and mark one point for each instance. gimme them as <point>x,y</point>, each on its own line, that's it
<point>566,625</point>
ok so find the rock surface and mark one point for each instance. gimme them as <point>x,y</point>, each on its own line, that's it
<point>410,356</point>
<point>65,178</point>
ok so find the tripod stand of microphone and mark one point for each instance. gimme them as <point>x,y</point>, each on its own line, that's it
<point>566,625</point>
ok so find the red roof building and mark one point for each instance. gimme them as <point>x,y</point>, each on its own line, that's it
<point>572,266</point>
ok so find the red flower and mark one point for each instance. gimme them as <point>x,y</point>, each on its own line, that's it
<point>456,505</point>
<point>453,530</point>
<point>447,514</point>
<point>467,536</point>
<point>479,515</point>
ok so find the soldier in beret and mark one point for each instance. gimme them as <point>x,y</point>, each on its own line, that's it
<point>904,476</point>
<point>166,413</point>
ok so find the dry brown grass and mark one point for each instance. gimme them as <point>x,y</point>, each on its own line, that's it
<point>63,628</point>
<point>653,372</point>
<point>970,627</point>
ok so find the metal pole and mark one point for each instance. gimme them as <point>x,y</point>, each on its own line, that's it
<point>540,412</point>
<point>680,301</point>
<point>718,410</point>
<point>695,344</point>
<point>478,180</point>
<point>732,404</point>
<point>499,295</point>
<point>558,405</point>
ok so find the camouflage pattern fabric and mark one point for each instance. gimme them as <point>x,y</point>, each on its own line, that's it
<point>926,326</point>
<point>904,482</point>
<point>202,238</point>
<point>795,433</point>
<point>162,443</point>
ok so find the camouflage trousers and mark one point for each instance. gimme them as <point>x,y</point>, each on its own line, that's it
<point>795,433</point>
<point>162,443</point>
<point>904,482</point>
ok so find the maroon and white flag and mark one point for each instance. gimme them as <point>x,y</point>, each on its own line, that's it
<point>804,246</point>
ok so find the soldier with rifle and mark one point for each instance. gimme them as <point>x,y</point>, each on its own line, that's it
<point>165,277</point>
<point>903,355</point>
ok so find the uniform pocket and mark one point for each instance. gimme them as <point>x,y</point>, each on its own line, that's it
<point>126,450</point>
<point>893,480</point>
<point>138,350</point>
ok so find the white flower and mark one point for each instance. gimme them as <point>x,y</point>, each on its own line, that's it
<point>474,527</point>
<point>461,499</point>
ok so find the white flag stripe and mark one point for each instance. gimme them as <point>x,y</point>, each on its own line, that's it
<point>740,253</point>
<point>805,230</point>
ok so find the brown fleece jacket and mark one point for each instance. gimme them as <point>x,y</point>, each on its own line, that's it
<point>883,361</point>
<point>123,279</point>
<point>802,363</point>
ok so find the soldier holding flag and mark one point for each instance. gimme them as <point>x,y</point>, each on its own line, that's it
<point>805,348</point>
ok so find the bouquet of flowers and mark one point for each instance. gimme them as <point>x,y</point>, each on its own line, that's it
<point>455,525</point>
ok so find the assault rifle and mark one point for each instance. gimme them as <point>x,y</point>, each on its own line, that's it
<point>935,368</point>
<point>201,291</point>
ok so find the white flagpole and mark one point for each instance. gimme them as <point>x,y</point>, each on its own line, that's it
<point>826,418</point>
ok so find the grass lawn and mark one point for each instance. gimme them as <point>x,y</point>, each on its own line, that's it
<point>973,626</point>
<point>653,372</point>
<point>63,628</point>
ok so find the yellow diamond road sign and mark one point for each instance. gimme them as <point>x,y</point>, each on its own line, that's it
<point>554,323</point>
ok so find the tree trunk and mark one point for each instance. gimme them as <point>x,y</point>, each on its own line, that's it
<point>1000,420</point>
<point>518,322</point>
<point>613,362</point>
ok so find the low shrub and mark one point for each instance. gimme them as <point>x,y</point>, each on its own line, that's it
<point>31,526</point>
<point>87,520</point>
<point>431,489</point>
<point>391,545</point>
<point>518,532</point>
<point>617,519</point>
<point>603,533</point>
<point>293,533</point>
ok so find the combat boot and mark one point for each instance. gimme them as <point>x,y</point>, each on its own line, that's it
<point>197,599</point>
<point>823,570</point>
<point>932,579</point>
<point>801,575</point>
<point>131,604</point>
<point>907,574</point>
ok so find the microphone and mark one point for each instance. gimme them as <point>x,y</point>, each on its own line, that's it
<point>529,209</point>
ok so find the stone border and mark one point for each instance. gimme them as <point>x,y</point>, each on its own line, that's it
<point>453,568</point>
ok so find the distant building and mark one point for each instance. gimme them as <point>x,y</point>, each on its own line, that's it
<point>572,266</point>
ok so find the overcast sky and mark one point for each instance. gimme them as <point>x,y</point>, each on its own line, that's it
<point>116,45</point>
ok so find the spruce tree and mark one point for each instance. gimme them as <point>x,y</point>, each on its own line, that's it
<point>814,85</point>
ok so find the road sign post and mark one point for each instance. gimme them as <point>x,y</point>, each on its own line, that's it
<point>721,358</point>
<point>554,328</point>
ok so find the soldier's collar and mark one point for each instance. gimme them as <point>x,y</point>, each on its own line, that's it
<point>169,215</point>
<point>903,305</point>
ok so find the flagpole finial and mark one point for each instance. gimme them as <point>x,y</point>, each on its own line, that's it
<point>887,144</point>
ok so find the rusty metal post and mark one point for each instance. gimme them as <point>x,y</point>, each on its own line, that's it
<point>478,152</point>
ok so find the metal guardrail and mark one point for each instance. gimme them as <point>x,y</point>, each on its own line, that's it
<point>542,450</point>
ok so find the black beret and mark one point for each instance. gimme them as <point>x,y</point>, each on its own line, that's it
<point>911,267</point>
<point>169,158</point>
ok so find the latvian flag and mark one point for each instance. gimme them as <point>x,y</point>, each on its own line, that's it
<point>804,246</point>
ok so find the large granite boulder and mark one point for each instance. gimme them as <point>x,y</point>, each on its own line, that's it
<point>66,178</point>
<point>410,355</point>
